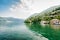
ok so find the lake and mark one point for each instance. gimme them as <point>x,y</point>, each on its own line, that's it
<point>20,31</point>
<point>28,31</point>
<point>51,32</point>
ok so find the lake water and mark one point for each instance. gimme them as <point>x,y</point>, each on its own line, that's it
<point>19,31</point>
<point>51,32</point>
<point>29,31</point>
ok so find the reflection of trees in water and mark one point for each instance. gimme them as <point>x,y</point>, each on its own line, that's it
<point>47,31</point>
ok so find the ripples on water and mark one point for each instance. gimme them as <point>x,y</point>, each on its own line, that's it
<point>18,32</point>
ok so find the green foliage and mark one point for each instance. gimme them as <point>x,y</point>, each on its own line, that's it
<point>47,16</point>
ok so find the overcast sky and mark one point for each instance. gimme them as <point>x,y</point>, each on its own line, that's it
<point>24,8</point>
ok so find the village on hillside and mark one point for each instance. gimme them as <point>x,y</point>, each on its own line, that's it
<point>53,18</point>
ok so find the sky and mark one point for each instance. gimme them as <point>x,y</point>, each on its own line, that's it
<point>5,4</point>
<point>24,8</point>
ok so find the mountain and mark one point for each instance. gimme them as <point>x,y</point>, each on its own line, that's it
<point>9,21</point>
<point>46,15</point>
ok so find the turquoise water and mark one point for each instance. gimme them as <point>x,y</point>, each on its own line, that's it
<point>18,31</point>
<point>52,32</point>
<point>29,31</point>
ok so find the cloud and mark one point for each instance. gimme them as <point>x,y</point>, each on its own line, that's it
<point>25,8</point>
<point>6,4</point>
<point>21,10</point>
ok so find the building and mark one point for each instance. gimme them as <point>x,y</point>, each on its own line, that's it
<point>55,22</point>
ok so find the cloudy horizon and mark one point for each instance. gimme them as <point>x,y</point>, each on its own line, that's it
<point>24,8</point>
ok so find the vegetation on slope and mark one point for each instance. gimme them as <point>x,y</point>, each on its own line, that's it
<point>47,15</point>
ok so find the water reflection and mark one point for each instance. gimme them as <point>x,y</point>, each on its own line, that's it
<point>57,27</point>
<point>52,32</point>
<point>18,31</point>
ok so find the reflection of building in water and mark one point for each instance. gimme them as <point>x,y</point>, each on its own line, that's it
<point>55,22</point>
<point>55,27</point>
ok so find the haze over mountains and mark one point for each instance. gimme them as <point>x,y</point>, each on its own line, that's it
<point>9,21</point>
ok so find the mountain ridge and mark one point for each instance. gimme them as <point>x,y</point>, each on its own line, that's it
<point>48,12</point>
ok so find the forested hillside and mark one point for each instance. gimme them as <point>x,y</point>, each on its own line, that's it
<point>46,15</point>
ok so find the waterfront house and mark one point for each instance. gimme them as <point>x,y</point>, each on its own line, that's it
<point>44,22</point>
<point>55,22</point>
